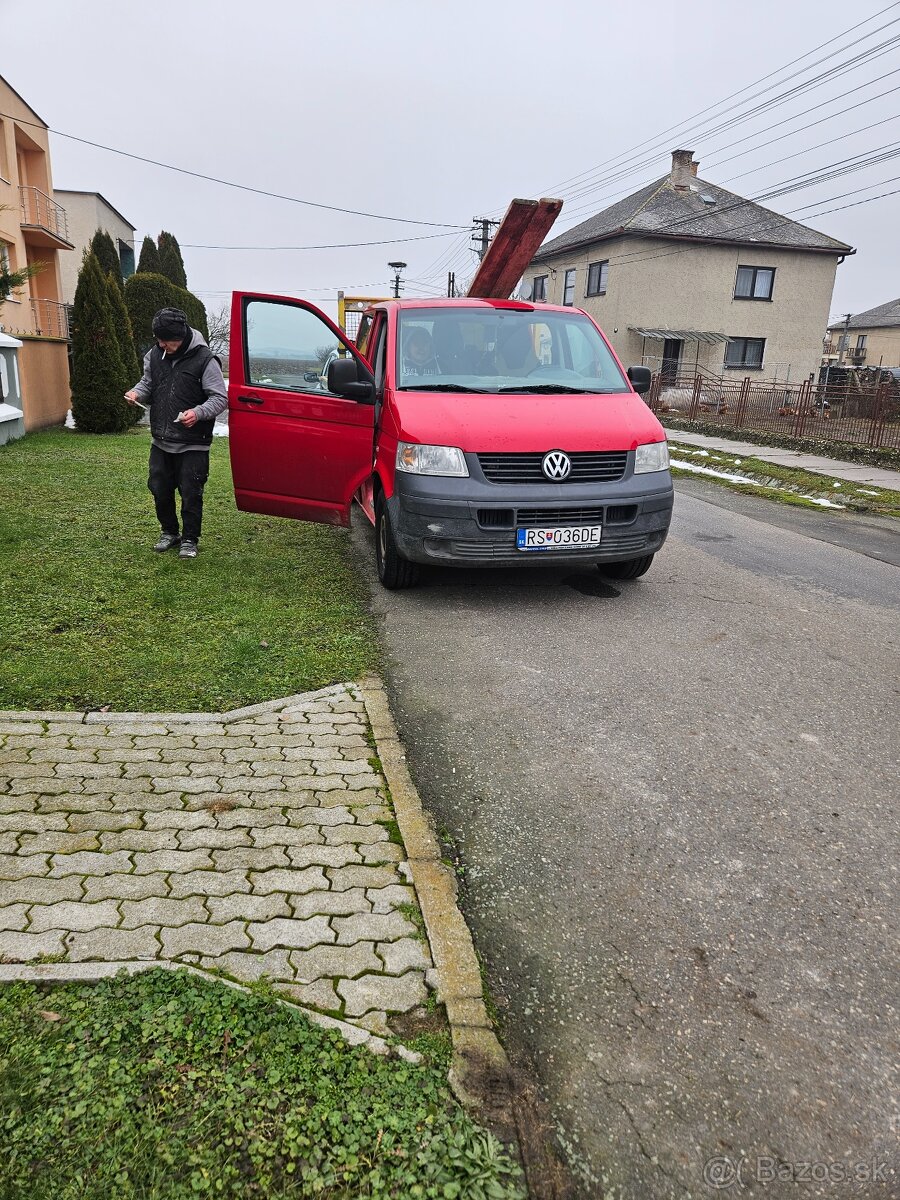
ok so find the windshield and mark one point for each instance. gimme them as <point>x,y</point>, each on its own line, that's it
<point>495,350</point>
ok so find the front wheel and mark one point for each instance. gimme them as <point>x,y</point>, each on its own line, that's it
<point>632,569</point>
<point>394,571</point>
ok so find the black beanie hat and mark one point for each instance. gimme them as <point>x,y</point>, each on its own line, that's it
<point>170,325</point>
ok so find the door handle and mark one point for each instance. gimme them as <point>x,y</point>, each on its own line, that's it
<point>250,400</point>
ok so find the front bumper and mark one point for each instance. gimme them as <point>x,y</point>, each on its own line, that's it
<point>469,522</point>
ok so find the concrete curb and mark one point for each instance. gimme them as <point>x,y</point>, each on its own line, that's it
<point>479,1063</point>
<point>93,972</point>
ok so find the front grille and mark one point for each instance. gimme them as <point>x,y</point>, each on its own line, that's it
<point>560,516</point>
<point>495,518</point>
<point>508,518</point>
<point>588,466</point>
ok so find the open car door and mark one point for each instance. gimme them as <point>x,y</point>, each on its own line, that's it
<point>297,449</point>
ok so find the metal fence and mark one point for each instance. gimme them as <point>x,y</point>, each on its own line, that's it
<point>832,412</point>
<point>50,319</point>
<point>41,212</point>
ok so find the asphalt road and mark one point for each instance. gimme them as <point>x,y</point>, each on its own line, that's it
<point>676,805</point>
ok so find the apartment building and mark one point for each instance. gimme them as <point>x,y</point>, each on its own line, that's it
<point>33,230</point>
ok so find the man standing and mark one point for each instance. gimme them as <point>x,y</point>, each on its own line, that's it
<point>183,387</point>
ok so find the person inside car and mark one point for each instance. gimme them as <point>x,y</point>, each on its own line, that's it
<point>418,355</point>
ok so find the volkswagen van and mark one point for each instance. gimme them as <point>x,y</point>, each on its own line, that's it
<point>469,432</point>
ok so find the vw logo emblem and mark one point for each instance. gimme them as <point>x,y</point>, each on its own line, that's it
<point>556,465</point>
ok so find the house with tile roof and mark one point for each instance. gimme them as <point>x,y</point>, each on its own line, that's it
<point>873,338</point>
<point>685,276</point>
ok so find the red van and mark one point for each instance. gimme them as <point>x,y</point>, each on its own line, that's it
<point>470,432</point>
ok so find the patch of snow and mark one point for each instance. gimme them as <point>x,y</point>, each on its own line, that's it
<point>824,503</point>
<point>70,420</point>
<point>686,466</point>
<point>866,492</point>
<point>220,429</point>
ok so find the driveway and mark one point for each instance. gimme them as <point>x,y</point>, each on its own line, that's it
<point>674,801</point>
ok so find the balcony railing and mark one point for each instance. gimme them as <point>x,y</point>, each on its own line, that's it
<point>50,319</point>
<point>40,212</point>
<point>857,352</point>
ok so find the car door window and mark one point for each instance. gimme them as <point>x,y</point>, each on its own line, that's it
<point>288,348</point>
<point>379,355</point>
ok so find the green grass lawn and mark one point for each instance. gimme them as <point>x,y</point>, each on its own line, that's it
<point>786,484</point>
<point>164,1086</point>
<point>93,617</point>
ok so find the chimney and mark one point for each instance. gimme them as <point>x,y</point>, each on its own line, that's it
<point>694,168</point>
<point>682,172</point>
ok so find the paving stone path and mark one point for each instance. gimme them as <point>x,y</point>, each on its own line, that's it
<point>259,842</point>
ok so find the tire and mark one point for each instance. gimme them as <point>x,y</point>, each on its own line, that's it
<point>394,571</point>
<point>632,569</point>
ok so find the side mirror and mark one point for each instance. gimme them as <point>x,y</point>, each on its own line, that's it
<point>639,378</point>
<point>349,377</point>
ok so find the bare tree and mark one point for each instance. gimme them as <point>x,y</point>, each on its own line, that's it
<point>219,323</point>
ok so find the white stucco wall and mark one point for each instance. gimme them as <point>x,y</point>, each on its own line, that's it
<point>658,284</point>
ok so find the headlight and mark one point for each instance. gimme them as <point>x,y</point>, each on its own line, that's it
<point>430,460</point>
<point>654,456</point>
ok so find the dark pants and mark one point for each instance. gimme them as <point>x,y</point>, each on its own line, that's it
<point>187,473</point>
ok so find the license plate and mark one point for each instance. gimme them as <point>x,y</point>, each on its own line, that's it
<point>567,537</point>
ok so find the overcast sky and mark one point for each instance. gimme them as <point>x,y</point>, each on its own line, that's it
<point>441,112</point>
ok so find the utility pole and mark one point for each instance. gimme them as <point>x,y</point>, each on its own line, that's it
<point>451,284</point>
<point>397,267</point>
<point>481,233</point>
<point>845,340</point>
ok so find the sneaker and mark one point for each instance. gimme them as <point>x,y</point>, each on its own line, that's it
<point>188,549</point>
<point>167,541</point>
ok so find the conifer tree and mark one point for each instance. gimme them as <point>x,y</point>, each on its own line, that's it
<point>98,376</point>
<point>171,263</point>
<point>131,371</point>
<point>148,263</point>
<point>107,256</point>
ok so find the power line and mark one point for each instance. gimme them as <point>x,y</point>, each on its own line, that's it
<point>242,187</point>
<point>596,176</point>
<point>673,129</point>
<point>812,124</point>
<point>322,246</point>
<point>810,85</point>
<point>772,162</point>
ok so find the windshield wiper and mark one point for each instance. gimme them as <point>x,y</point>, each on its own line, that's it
<point>439,387</point>
<point>548,387</point>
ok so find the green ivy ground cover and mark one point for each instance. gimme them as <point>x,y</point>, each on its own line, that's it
<point>166,1086</point>
<point>93,617</point>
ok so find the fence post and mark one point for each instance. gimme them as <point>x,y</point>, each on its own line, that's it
<point>695,397</point>
<point>877,428</point>
<point>742,402</point>
<point>802,398</point>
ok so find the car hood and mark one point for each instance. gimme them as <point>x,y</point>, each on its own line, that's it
<point>485,423</point>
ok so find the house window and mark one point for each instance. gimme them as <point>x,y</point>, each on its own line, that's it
<point>754,283</point>
<point>539,288</point>
<point>126,259</point>
<point>861,339</point>
<point>745,352</point>
<point>569,287</point>
<point>597,275</point>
